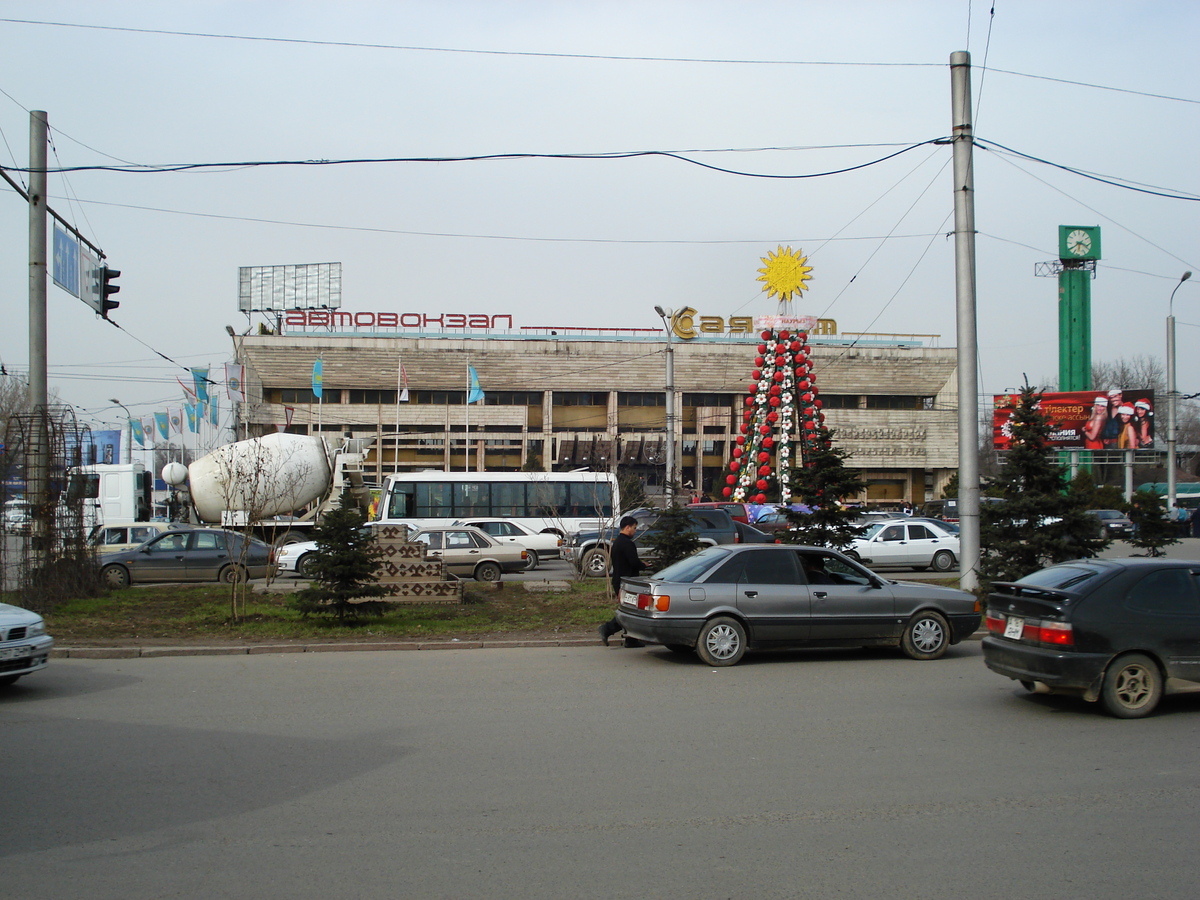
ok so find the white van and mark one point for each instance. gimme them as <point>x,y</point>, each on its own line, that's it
<point>125,535</point>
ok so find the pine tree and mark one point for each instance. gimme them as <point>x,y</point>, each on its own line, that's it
<point>347,566</point>
<point>1152,528</point>
<point>1037,521</point>
<point>672,537</point>
<point>822,482</point>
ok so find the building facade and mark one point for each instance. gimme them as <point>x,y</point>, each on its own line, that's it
<point>597,399</point>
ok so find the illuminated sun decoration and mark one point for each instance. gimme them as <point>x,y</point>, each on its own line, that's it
<point>785,273</point>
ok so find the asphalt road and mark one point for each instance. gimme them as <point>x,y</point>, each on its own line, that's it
<point>584,772</point>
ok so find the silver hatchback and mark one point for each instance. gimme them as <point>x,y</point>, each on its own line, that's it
<point>727,599</point>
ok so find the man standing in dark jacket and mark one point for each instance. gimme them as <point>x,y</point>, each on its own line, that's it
<point>623,557</point>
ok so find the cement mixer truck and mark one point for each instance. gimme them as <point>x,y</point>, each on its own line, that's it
<point>261,483</point>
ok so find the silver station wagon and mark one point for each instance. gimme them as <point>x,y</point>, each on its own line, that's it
<point>730,598</point>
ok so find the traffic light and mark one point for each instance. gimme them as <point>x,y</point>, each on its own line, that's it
<point>107,288</point>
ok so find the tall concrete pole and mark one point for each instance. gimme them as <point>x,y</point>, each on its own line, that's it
<point>668,317</point>
<point>1172,396</point>
<point>964,291</point>
<point>37,476</point>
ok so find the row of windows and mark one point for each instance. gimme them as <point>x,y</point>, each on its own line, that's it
<point>517,499</point>
<point>583,398</point>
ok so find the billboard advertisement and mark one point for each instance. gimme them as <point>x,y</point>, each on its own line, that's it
<point>1085,420</point>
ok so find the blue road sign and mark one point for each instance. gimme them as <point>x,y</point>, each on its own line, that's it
<point>65,270</point>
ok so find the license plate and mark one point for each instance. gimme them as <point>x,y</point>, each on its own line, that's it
<point>15,652</point>
<point>628,598</point>
<point>1014,627</point>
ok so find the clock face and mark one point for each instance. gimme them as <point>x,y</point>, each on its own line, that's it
<point>1079,242</point>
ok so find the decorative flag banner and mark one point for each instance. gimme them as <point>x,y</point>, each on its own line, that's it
<point>318,378</point>
<point>201,411</point>
<point>190,409</point>
<point>200,379</point>
<point>235,381</point>
<point>135,426</point>
<point>189,395</point>
<point>215,416</point>
<point>403,385</point>
<point>176,417</point>
<point>148,429</point>
<point>475,394</point>
<point>163,421</point>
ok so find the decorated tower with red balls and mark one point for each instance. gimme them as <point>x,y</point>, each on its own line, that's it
<point>782,409</point>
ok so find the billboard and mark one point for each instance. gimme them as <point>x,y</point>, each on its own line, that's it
<point>1085,420</point>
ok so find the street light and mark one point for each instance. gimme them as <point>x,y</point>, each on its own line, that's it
<point>128,431</point>
<point>668,317</point>
<point>1172,396</point>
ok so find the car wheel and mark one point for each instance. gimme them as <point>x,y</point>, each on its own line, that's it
<point>854,556</point>
<point>487,571</point>
<point>532,562</point>
<point>1132,687</point>
<point>926,636</point>
<point>6,680</point>
<point>231,574</point>
<point>943,561</point>
<point>595,563</point>
<point>115,576</point>
<point>306,565</point>
<point>722,642</point>
<point>679,648</point>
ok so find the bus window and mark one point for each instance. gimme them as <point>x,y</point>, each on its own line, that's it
<point>433,500</point>
<point>508,499</point>
<point>401,504</point>
<point>472,498</point>
<point>591,500</point>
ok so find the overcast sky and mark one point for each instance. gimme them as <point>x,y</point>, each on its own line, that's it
<point>589,242</point>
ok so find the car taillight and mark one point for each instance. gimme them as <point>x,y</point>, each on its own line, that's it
<point>1058,633</point>
<point>995,623</point>
<point>661,603</point>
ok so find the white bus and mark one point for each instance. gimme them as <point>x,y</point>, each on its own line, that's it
<point>558,502</point>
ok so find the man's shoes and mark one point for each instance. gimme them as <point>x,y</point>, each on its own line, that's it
<point>607,630</point>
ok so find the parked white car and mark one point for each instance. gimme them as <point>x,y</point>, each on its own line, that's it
<point>899,542</point>
<point>541,545</point>
<point>24,644</point>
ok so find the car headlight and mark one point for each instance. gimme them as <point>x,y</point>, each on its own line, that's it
<point>38,627</point>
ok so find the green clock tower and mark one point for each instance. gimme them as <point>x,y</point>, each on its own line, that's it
<point>1078,250</point>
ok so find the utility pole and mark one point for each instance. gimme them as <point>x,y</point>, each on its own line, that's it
<point>38,461</point>
<point>964,292</point>
<point>668,317</point>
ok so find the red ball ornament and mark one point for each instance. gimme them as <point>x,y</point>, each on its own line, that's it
<point>765,429</point>
<point>802,335</point>
<point>821,417</point>
<point>784,335</point>
<point>774,401</point>
<point>812,376</point>
<point>741,438</point>
<point>803,385</point>
<point>737,451</point>
<point>781,348</point>
<point>766,335</point>
<point>758,360</point>
<point>775,390</point>
<point>756,374</point>
<point>764,470</point>
<point>772,416</point>
<point>762,348</point>
<point>810,426</point>
<point>760,498</point>
<point>807,398</point>
<point>727,492</point>
<point>795,346</point>
<point>749,401</point>
<point>744,428</point>
<point>819,402</point>
<point>778,376</point>
<point>753,388</point>
<point>769,442</point>
<point>761,484</point>
<point>763,457</point>
<point>780,361</point>
<point>731,479</point>
<point>733,466</point>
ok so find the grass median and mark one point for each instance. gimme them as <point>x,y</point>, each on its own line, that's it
<point>170,614</point>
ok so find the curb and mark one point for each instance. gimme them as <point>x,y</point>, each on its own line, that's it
<point>256,649</point>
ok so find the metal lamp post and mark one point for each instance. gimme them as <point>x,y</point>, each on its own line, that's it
<point>1172,396</point>
<point>668,317</point>
<point>128,431</point>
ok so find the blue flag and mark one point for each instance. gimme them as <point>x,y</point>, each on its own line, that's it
<point>475,394</point>
<point>318,378</point>
<point>200,379</point>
